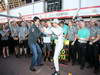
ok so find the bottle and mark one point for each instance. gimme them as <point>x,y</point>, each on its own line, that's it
<point>69,73</point>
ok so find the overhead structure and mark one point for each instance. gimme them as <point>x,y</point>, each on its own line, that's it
<point>8,16</point>
<point>78,9</point>
<point>12,4</point>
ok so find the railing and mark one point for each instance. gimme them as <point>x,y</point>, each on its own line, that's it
<point>12,4</point>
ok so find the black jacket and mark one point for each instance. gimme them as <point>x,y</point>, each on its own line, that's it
<point>34,34</point>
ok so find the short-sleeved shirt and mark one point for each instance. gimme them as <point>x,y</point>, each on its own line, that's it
<point>99,30</point>
<point>72,31</point>
<point>22,32</point>
<point>53,36</point>
<point>84,33</point>
<point>0,34</point>
<point>28,28</point>
<point>58,32</point>
<point>65,29</point>
<point>4,32</point>
<point>94,31</point>
<point>0,31</point>
<point>14,30</point>
<point>47,38</point>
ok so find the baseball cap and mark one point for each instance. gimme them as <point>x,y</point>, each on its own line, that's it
<point>55,21</point>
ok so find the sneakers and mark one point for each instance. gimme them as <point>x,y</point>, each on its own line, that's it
<point>49,59</point>
<point>89,66</point>
<point>96,71</point>
<point>4,57</point>
<point>53,68</point>
<point>82,67</point>
<point>32,69</point>
<point>56,73</point>
<point>40,65</point>
<point>45,59</point>
<point>17,55</point>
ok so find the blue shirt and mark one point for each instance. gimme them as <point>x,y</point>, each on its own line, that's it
<point>72,31</point>
<point>94,31</point>
<point>22,32</point>
<point>4,34</point>
<point>84,33</point>
<point>65,29</point>
<point>14,30</point>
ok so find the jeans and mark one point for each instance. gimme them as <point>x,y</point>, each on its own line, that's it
<point>37,54</point>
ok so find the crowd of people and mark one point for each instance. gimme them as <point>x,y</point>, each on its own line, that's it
<point>44,39</point>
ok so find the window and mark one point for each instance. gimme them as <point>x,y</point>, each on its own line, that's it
<point>36,0</point>
<point>54,5</point>
<point>28,1</point>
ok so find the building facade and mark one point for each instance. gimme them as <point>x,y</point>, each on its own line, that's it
<point>50,9</point>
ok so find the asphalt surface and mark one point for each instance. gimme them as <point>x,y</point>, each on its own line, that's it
<point>20,66</point>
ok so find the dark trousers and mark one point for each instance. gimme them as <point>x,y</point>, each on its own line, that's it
<point>72,52</point>
<point>82,53</point>
<point>0,51</point>
<point>94,55</point>
<point>90,53</point>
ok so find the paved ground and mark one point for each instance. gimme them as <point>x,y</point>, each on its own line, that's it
<point>15,66</point>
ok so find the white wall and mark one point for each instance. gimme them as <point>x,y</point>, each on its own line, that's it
<point>90,6</point>
<point>31,10</point>
<point>3,19</point>
<point>25,10</point>
<point>70,4</point>
<point>39,7</point>
<point>93,7</point>
<point>88,3</point>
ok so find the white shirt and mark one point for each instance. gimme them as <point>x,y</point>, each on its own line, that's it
<point>58,31</point>
<point>48,32</point>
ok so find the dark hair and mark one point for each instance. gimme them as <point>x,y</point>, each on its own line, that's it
<point>62,22</point>
<point>35,18</point>
<point>43,21</point>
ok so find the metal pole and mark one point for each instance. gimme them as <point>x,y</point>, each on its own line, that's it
<point>33,5</point>
<point>79,3</point>
<point>10,16</point>
<point>78,9</point>
<point>32,1</point>
<point>7,8</point>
